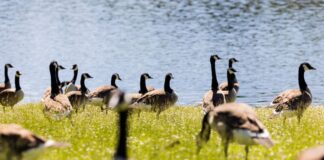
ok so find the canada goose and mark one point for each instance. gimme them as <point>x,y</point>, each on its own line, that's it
<point>133,97</point>
<point>316,153</point>
<point>159,99</point>
<point>121,150</point>
<point>60,85</point>
<point>105,92</point>
<point>10,97</point>
<point>6,83</point>
<point>234,122</point>
<point>57,105</point>
<point>230,94</point>
<point>79,98</point>
<point>212,98</point>
<point>294,102</point>
<point>224,86</point>
<point>71,86</point>
<point>17,142</point>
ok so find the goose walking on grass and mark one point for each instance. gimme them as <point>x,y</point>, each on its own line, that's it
<point>133,97</point>
<point>294,102</point>
<point>316,153</point>
<point>105,92</point>
<point>6,84</point>
<point>60,85</point>
<point>79,98</point>
<point>57,105</point>
<point>213,98</point>
<point>10,97</point>
<point>224,86</point>
<point>19,143</point>
<point>122,108</point>
<point>160,99</point>
<point>71,84</point>
<point>234,123</point>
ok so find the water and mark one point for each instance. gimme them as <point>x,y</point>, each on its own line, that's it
<point>270,38</point>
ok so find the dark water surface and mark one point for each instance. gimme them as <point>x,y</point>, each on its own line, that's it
<point>270,38</point>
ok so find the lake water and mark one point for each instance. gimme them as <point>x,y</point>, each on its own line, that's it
<point>269,38</point>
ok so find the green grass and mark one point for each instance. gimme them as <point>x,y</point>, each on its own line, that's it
<point>93,135</point>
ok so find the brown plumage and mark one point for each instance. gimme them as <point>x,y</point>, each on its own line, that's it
<point>6,84</point>
<point>105,92</point>
<point>316,153</point>
<point>224,86</point>
<point>133,97</point>
<point>160,99</point>
<point>10,97</point>
<point>295,101</point>
<point>234,123</point>
<point>213,98</point>
<point>79,98</point>
<point>16,141</point>
<point>57,105</point>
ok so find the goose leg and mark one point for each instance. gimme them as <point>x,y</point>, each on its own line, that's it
<point>225,144</point>
<point>4,110</point>
<point>158,114</point>
<point>138,114</point>
<point>299,116</point>
<point>246,152</point>
<point>284,121</point>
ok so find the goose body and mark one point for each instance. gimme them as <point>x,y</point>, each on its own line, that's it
<point>20,143</point>
<point>57,105</point>
<point>160,99</point>
<point>60,85</point>
<point>213,97</point>
<point>79,98</point>
<point>316,153</point>
<point>6,84</point>
<point>104,93</point>
<point>10,97</point>
<point>294,102</point>
<point>133,97</point>
<point>224,86</point>
<point>236,123</point>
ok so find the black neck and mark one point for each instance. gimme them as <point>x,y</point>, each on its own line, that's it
<point>214,85</point>
<point>143,88</point>
<point>301,79</point>
<point>113,81</point>
<point>54,85</point>
<point>122,139</point>
<point>167,87</point>
<point>6,75</point>
<point>17,83</point>
<point>84,89</point>
<point>75,76</point>
<point>230,80</point>
<point>230,64</point>
<point>57,76</point>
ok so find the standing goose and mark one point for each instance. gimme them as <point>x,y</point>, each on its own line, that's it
<point>230,94</point>
<point>71,85</point>
<point>294,102</point>
<point>6,83</point>
<point>224,86</point>
<point>60,85</point>
<point>105,92</point>
<point>316,153</point>
<point>212,98</point>
<point>159,99</point>
<point>17,142</point>
<point>121,150</point>
<point>143,88</point>
<point>57,105</point>
<point>234,123</point>
<point>10,97</point>
<point>79,98</point>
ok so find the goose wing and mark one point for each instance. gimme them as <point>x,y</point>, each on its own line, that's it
<point>102,91</point>
<point>7,97</point>
<point>212,99</point>
<point>158,96</point>
<point>58,104</point>
<point>150,88</point>
<point>291,100</point>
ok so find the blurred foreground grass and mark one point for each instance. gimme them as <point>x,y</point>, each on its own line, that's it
<point>93,135</point>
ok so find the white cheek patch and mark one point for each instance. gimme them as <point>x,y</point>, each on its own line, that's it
<point>305,67</point>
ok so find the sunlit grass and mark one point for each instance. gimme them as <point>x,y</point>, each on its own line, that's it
<point>93,135</point>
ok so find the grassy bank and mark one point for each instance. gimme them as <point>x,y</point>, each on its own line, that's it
<point>170,137</point>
